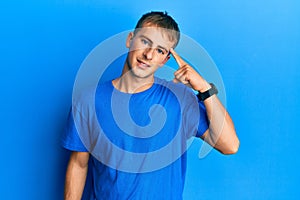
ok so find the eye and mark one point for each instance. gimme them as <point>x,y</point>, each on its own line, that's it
<point>145,42</point>
<point>160,51</point>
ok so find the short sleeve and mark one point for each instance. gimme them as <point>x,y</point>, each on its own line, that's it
<point>195,121</point>
<point>203,121</point>
<point>70,139</point>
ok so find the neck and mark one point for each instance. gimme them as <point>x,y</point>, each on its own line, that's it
<point>129,83</point>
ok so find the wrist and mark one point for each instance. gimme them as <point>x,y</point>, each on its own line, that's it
<point>204,87</point>
<point>207,93</point>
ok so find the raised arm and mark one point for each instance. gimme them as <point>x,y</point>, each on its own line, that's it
<point>76,175</point>
<point>221,133</point>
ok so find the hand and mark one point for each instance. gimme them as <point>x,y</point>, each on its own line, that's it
<point>188,76</point>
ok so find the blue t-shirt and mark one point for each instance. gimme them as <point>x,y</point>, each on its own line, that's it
<point>137,141</point>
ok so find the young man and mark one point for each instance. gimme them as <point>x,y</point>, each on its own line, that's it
<point>148,120</point>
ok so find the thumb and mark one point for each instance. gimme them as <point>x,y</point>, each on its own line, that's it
<point>175,80</point>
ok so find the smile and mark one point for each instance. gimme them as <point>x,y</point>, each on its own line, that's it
<point>142,64</point>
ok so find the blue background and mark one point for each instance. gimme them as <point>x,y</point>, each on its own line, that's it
<point>255,45</point>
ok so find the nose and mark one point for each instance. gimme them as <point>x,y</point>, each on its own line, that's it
<point>148,53</point>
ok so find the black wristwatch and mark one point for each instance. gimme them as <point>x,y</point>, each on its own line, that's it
<point>204,95</point>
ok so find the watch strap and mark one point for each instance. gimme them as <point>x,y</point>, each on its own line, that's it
<point>204,95</point>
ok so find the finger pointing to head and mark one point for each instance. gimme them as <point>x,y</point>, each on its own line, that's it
<point>178,59</point>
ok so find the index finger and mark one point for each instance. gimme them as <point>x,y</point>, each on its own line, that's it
<point>177,57</point>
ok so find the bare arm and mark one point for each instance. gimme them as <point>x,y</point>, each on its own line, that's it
<point>221,133</point>
<point>76,175</point>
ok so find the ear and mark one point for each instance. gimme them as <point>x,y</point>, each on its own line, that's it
<point>129,39</point>
<point>165,60</point>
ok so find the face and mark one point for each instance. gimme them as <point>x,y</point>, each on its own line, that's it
<point>148,50</point>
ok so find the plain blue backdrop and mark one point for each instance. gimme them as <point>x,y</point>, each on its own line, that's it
<point>255,45</point>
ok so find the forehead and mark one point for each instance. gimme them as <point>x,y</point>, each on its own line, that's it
<point>159,36</point>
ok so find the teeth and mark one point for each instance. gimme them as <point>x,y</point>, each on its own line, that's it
<point>143,64</point>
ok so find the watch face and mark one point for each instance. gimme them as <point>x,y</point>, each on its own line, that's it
<point>213,89</point>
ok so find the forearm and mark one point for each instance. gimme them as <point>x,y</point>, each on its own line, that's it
<point>75,180</point>
<point>222,133</point>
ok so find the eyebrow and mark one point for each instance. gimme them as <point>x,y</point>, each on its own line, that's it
<point>143,36</point>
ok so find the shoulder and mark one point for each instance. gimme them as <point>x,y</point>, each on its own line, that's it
<point>85,97</point>
<point>180,90</point>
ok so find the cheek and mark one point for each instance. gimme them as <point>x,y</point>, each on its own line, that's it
<point>130,56</point>
<point>162,62</point>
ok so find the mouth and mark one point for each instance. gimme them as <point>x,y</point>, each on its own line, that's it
<point>142,64</point>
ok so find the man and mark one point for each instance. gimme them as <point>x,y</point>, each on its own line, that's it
<point>161,116</point>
